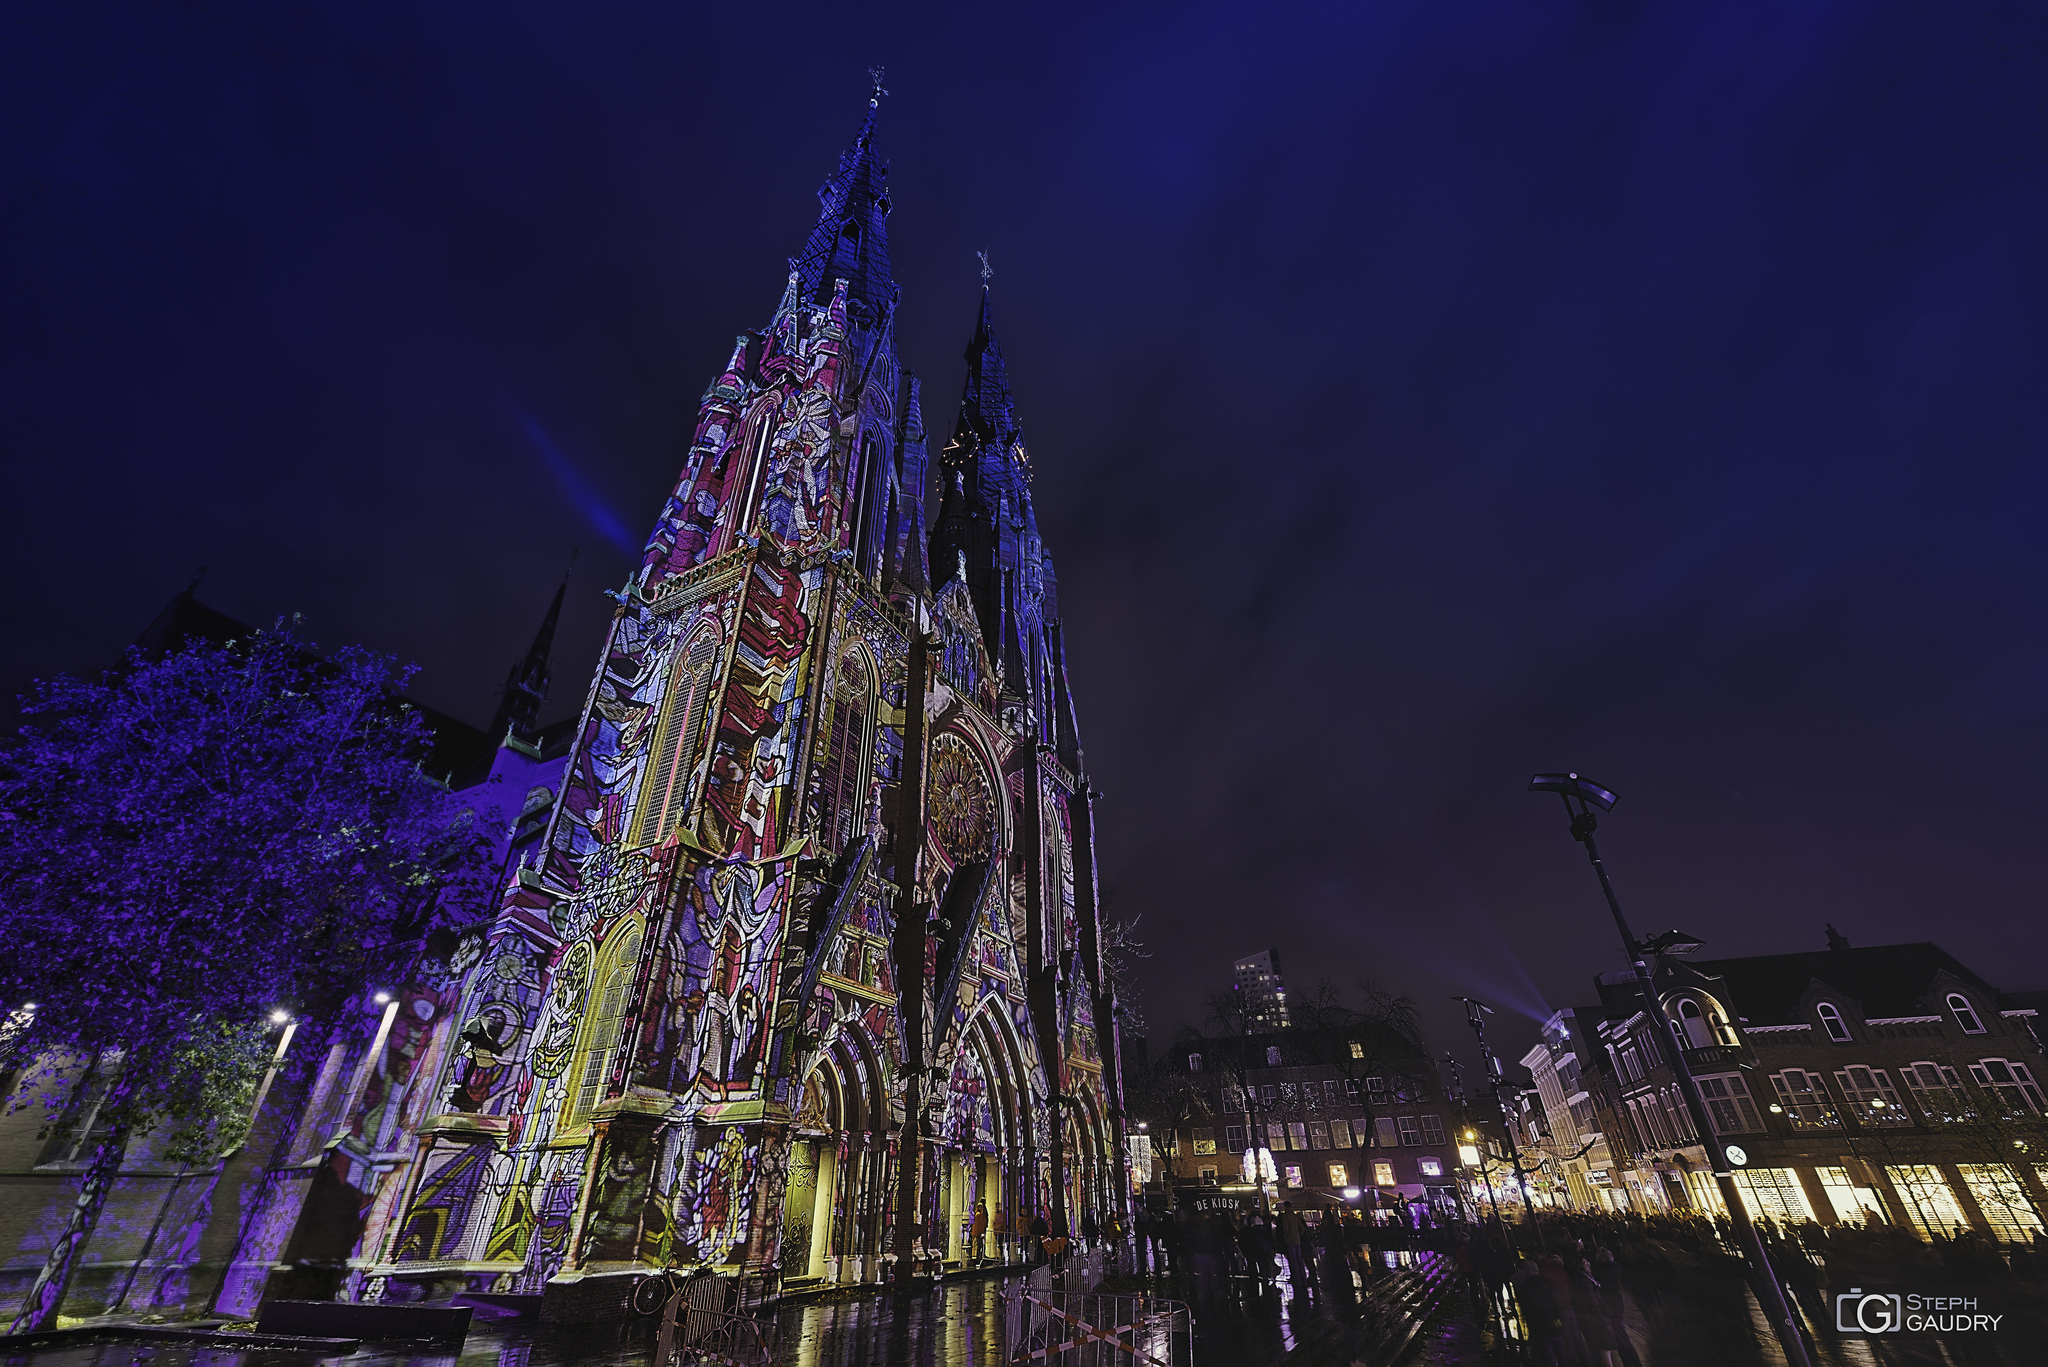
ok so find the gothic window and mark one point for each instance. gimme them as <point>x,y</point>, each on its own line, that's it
<point>1837,1028</point>
<point>1194,1063</point>
<point>1966,1015</point>
<point>604,1025</point>
<point>678,738</point>
<point>842,793</point>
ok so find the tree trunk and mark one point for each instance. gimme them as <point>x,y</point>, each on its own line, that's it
<point>39,1311</point>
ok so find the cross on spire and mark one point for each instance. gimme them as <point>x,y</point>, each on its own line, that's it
<point>986,270</point>
<point>875,99</point>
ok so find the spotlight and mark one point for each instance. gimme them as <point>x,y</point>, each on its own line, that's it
<point>280,1016</point>
<point>381,998</point>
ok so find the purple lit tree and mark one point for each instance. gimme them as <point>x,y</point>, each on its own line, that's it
<point>187,847</point>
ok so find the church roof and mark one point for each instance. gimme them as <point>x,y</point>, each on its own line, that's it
<point>850,240</point>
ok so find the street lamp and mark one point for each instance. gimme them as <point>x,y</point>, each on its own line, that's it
<point>1589,795</point>
<point>1476,1012</point>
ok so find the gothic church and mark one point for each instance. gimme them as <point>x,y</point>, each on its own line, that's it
<point>805,967</point>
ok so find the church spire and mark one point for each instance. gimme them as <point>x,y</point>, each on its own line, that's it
<point>526,687</point>
<point>850,240</point>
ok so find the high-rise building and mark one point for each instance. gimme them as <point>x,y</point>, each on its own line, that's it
<point>805,967</point>
<point>1263,992</point>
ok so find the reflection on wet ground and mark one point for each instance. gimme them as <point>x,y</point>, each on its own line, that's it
<point>1700,1322</point>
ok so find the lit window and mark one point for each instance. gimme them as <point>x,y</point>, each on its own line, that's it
<point>1339,1176</point>
<point>1966,1015</point>
<point>1837,1028</point>
<point>1383,1174</point>
<point>1293,1176</point>
<point>1205,1141</point>
<point>1318,1134</point>
<point>1431,1167</point>
<point>1357,1049</point>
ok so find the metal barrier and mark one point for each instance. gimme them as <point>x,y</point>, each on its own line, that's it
<point>705,1322</point>
<point>1072,1329</point>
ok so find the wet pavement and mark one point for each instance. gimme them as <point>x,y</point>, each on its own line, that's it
<point>1700,1322</point>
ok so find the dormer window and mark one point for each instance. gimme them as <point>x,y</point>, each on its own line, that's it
<point>1966,1014</point>
<point>1837,1028</point>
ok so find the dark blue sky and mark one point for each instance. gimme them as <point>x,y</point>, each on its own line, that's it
<point>1421,396</point>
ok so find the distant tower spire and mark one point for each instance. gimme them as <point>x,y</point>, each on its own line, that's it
<point>850,240</point>
<point>526,687</point>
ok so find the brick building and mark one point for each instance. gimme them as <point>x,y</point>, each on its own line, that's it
<point>1889,1082</point>
<point>1388,1132</point>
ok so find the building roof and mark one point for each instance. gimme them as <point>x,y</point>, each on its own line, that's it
<point>1881,980</point>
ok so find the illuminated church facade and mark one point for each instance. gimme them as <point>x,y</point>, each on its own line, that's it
<point>805,965</point>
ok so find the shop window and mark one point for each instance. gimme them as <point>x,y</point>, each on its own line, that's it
<point>2003,1201</point>
<point>1930,1202</point>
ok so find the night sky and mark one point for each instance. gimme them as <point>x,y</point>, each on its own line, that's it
<point>1420,395</point>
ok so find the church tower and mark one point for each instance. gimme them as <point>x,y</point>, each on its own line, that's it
<point>805,967</point>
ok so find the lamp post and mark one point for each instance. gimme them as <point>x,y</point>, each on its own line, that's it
<point>1476,1012</point>
<point>1769,1292</point>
